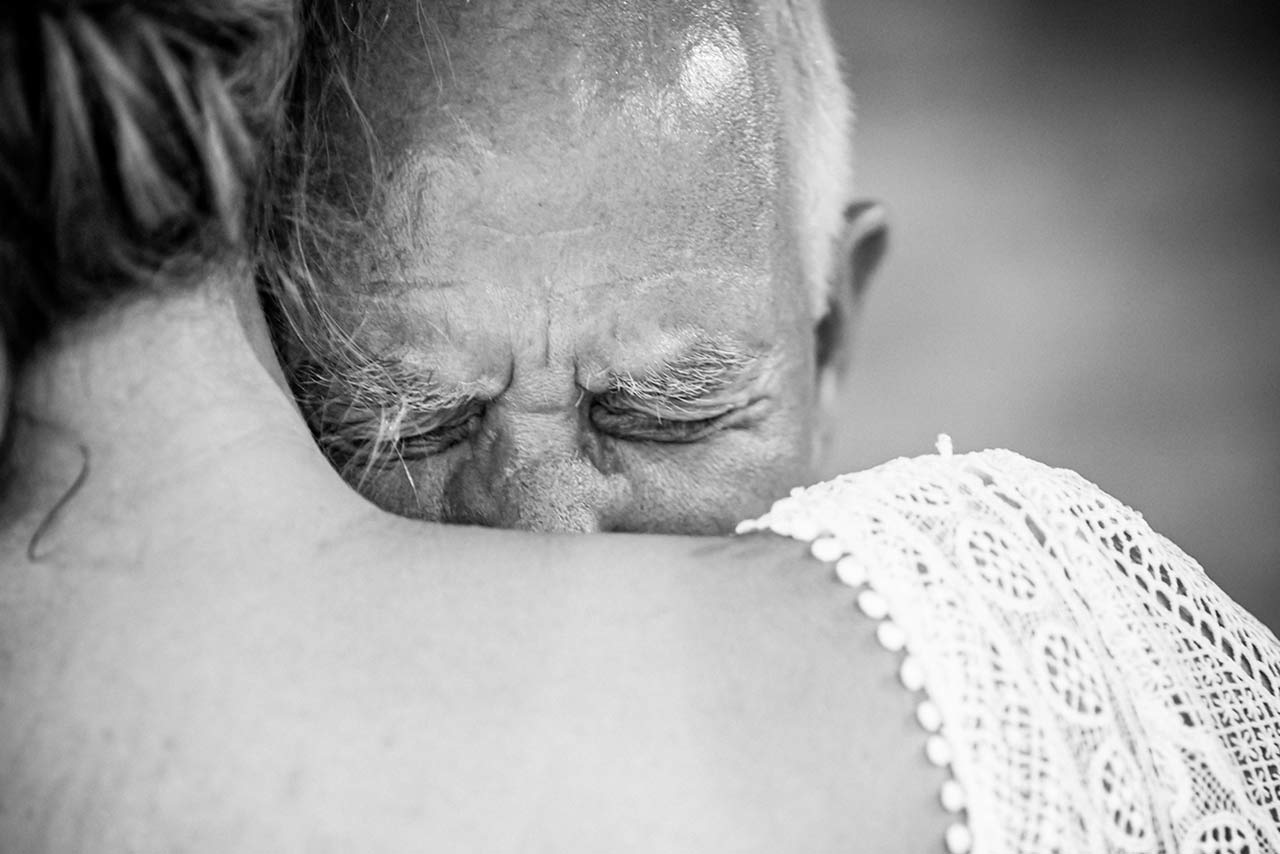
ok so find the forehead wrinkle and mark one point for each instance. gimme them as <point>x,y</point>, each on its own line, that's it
<point>425,76</point>
<point>551,54</point>
<point>615,40</point>
<point>699,75</point>
<point>671,281</point>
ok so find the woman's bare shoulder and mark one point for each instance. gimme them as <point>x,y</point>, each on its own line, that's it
<point>493,690</point>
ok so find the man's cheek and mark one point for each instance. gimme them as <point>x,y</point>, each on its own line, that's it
<point>411,489</point>
<point>710,487</point>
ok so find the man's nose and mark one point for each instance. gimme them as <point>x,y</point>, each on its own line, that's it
<point>537,478</point>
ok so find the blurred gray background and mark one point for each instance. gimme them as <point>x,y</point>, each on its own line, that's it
<point>1085,264</point>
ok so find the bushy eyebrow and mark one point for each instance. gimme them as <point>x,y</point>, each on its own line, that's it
<point>701,371</point>
<point>376,385</point>
<point>367,404</point>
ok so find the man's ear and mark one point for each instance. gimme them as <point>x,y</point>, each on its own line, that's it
<point>858,253</point>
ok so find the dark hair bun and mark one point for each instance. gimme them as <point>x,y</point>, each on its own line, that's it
<point>130,137</point>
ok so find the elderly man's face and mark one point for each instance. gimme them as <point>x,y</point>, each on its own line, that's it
<point>583,268</point>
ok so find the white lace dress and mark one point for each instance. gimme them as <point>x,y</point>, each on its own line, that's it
<point>1089,687</point>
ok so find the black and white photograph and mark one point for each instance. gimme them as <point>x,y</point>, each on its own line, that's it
<point>647,426</point>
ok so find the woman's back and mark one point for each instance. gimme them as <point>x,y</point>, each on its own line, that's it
<point>207,643</point>
<point>213,645</point>
<point>240,656</point>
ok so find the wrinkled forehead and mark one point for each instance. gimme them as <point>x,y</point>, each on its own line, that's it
<point>584,147</point>
<point>686,85</point>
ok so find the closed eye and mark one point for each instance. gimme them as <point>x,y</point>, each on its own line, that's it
<point>378,439</point>
<point>626,421</point>
<point>441,437</point>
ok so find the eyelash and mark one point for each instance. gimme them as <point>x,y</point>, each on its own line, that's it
<point>440,438</point>
<point>355,442</point>
<point>628,423</point>
<point>352,443</point>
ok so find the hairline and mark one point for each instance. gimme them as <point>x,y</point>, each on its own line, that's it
<point>815,118</point>
<point>818,132</point>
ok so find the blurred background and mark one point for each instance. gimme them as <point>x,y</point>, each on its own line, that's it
<point>1085,263</point>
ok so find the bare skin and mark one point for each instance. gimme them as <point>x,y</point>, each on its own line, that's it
<point>221,648</point>
<point>584,253</point>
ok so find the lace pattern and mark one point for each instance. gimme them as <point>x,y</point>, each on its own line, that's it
<point>1097,691</point>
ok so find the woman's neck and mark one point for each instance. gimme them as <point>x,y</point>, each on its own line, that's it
<point>176,408</point>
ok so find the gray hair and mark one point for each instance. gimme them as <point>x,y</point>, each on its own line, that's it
<point>819,139</point>
<point>305,222</point>
<point>817,114</point>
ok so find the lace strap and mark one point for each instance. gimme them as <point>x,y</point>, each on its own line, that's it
<point>1093,689</point>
